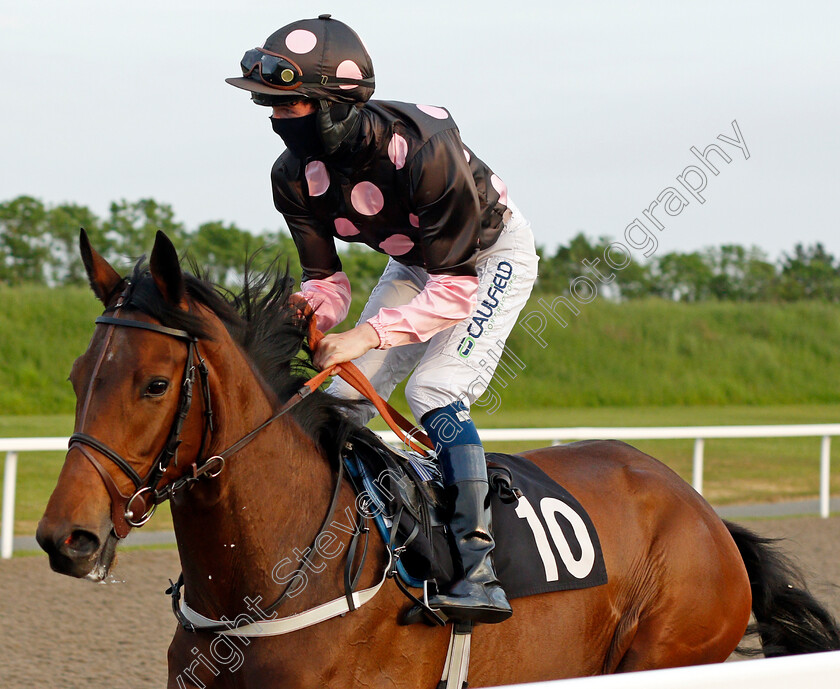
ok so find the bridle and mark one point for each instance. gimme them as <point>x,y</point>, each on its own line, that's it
<point>148,493</point>
<point>128,511</point>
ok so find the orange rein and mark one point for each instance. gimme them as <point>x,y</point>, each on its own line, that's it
<point>351,374</point>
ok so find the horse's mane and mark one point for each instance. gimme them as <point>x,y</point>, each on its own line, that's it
<point>270,331</point>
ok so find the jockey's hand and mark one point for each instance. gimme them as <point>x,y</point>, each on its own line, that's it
<point>299,302</point>
<point>341,347</point>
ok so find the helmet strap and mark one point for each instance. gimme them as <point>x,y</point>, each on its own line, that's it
<point>336,123</point>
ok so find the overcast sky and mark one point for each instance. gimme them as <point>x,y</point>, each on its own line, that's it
<point>587,110</point>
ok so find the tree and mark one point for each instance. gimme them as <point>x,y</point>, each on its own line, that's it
<point>220,251</point>
<point>583,257</point>
<point>682,277</point>
<point>740,274</point>
<point>40,245</point>
<point>281,247</point>
<point>810,273</point>
<point>131,227</point>
<point>634,280</point>
<point>567,263</point>
<point>63,223</point>
<point>23,241</point>
<point>363,266</point>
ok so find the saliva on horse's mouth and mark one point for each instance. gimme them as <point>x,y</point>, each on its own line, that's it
<point>103,560</point>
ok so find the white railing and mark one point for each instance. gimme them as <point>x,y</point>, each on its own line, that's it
<point>698,433</point>
<point>12,446</point>
<point>813,670</point>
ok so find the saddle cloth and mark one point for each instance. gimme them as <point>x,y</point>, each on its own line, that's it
<point>545,540</point>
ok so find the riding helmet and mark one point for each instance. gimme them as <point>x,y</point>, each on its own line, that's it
<point>321,59</point>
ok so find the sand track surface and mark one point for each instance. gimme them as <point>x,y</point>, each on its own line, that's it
<point>62,632</point>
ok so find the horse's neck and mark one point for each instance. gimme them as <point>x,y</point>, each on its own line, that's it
<point>247,533</point>
<point>244,533</point>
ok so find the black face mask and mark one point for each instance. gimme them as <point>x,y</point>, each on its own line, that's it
<point>300,134</point>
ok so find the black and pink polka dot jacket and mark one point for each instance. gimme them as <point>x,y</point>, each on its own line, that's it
<point>407,187</point>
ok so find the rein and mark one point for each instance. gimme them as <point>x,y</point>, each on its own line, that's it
<point>350,373</point>
<point>148,493</point>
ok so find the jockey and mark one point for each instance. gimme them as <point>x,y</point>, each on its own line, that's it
<point>397,177</point>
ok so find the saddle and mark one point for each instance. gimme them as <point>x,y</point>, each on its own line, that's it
<point>402,491</point>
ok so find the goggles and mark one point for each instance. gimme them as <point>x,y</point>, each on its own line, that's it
<point>271,69</point>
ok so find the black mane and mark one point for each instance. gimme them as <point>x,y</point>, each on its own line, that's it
<point>270,331</point>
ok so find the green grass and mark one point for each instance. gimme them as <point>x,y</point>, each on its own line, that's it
<point>663,353</point>
<point>638,353</point>
<point>650,362</point>
<point>737,470</point>
<point>44,330</point>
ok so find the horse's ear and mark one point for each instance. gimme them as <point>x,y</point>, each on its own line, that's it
<point>166,270</point>
<point>104,280</point>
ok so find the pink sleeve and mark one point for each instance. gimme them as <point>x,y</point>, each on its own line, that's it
<point>444,301</point>
<point>330,297</point>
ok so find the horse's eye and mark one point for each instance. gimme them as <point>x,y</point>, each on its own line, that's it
<point>157,387</point>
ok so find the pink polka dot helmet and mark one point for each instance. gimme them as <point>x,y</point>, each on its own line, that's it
<point>319,58</point>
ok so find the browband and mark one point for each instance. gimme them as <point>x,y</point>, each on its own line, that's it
<point>154,327</point>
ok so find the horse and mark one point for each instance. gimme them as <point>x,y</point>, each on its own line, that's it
<point>250,478</point>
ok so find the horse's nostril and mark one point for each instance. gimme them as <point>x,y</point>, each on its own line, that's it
<point>80,543</point>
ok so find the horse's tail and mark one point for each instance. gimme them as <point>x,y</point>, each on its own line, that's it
<point>788,619</point>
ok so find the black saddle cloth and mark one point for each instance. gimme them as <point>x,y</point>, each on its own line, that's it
<point>545,540</point>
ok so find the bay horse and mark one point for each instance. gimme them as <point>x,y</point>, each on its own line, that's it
<point>681,582</point>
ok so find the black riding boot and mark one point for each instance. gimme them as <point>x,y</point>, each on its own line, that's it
<point>478,596</point>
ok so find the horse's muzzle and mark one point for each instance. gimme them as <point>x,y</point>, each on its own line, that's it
<point>76,552</point>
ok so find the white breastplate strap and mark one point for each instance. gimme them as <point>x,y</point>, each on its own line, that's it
<point>292,623</point>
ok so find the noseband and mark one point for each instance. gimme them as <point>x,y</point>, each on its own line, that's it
<point>136,509</point>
